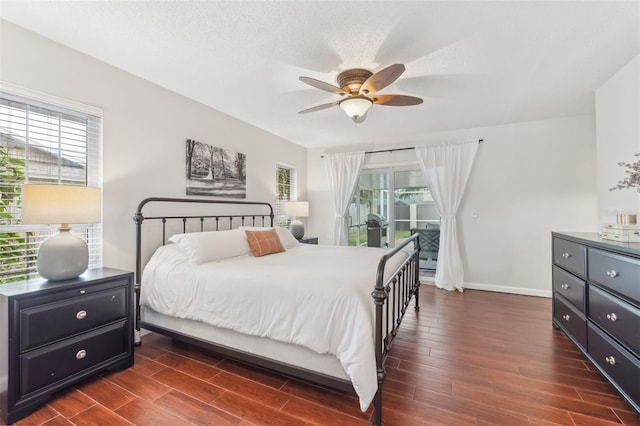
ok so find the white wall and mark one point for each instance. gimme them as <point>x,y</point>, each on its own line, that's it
<point>618,139</point>
<point>528,180</point>
<point>145,128</point>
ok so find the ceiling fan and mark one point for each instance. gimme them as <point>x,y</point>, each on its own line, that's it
<point>358,88</point>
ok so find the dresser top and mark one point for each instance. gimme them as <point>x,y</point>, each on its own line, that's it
<point>38,284</point>
<point>593,239</point>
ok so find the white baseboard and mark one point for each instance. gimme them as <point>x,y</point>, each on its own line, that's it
<point>497,288</point>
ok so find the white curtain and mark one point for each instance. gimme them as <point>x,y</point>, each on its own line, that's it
<point>447,168</point>
<point>343,170</point>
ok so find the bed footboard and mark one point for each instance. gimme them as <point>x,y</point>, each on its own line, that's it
<point>402,285</point>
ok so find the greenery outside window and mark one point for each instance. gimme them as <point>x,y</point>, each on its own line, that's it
<point>42,143</point>
<point>285,191</point>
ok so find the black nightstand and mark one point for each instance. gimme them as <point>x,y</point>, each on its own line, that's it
<point>309,240</point>
<point>60,332</point>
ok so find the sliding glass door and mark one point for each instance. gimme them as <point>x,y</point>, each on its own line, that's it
<point>372,198</point>
<point>391,204</point>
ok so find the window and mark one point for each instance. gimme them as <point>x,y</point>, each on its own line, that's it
<point>400,196</point>
<point>42,143</point>
<point>286,191</point>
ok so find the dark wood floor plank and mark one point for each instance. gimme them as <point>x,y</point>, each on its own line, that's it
<point>195,411</point>
<point>71,402</point>
<point>44,414</point>
<point>146,413</point>
<point>139,385</point>
<point>266,395</point>
<point>253,411</point>
<point>256,374</point>
<point>317,414</point>
<point>146,366</point>
<point>188,365</point>
<point>196,388</point>
<point>98,415</point>
<point>105,392</point>
<point>345,403</point>
<point>58,421</point>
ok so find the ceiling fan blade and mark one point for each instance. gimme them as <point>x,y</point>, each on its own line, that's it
<point>396,100</point>
<point>322,85</point>
<point>382,79</point>
<point>318,107</point>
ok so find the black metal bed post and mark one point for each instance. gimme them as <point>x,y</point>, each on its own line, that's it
<point>380,296</point>
<point>138,218</point>
<point>416,266</point>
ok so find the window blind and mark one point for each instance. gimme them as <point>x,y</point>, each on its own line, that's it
<point>286,191</point>
<point>42,143</point>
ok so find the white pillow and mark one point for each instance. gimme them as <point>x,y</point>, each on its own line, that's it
<point>212,245</point>
<point>285,236</point>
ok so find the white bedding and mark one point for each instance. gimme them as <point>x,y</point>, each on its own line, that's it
<point>311,295</point>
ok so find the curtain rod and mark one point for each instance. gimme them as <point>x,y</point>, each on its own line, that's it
<point>397,149</point>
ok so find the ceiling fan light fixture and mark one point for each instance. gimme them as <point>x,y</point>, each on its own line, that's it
<point>356,106</point>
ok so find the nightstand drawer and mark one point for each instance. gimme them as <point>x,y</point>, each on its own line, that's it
<point>570,286</point>
<point>52,321</point>
<point>618,318</point>
<point>53,363</point>
<point>617,363</point>
<point>618,273</point>
<point>308,240</point>
<point>570,256</point>
<point>570,319</point>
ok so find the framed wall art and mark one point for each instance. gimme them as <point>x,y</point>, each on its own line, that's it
<point>215,171</point>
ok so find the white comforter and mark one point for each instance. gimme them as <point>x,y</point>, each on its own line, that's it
<point>315,296</point>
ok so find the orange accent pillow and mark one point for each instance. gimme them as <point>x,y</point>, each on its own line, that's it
<point>264,242</point>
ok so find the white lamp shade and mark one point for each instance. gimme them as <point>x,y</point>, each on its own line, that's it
<point>63,204</point>
<point>356,106</point>
<point>297,208</point>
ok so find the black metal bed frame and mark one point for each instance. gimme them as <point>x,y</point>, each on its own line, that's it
<point>403,284</point>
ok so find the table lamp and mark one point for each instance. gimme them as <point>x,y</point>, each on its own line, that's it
<point>64,255</point>
<point>296,209</point>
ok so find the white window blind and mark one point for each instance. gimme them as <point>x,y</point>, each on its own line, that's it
<point>42,143</point>
<point>286,191</point>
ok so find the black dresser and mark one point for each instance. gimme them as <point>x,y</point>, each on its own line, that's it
<point>596,302</point>
<point>53,334</point>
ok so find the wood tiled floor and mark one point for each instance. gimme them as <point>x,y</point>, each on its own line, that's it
<point>472,358</point>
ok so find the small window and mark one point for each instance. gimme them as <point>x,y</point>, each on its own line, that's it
<point>42,143</point>
<point>286,191</point>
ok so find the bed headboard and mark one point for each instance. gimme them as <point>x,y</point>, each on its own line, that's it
<point>206,214</point>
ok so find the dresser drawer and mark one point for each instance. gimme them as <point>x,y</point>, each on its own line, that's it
<point>570,256</point>
<point>619,273</point>
<point>618,363</point>
<point>618,318</point>
<point>571,287</point>
<point>52,321</point>
<point>570,319</point>
<point>42,367</point>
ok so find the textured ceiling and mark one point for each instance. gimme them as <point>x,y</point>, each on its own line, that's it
<point>474,63</point>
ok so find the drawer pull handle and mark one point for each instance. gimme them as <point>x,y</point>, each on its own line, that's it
<point>81,354</point>
<point>565,286</point>
<point>566,255</point>
<point>81,315</point>
<point>612,273</point>
<point>610,360</point>
<point>566,317</point>
<point>612,317</point>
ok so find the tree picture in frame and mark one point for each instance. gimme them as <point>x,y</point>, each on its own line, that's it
<point>215,171</point>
